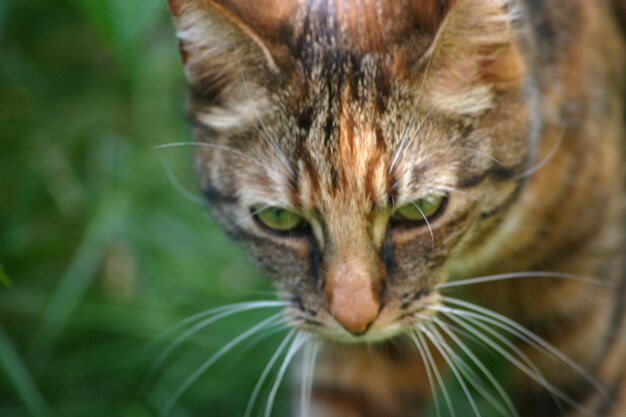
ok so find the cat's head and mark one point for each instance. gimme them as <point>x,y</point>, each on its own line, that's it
<point>359,149</point>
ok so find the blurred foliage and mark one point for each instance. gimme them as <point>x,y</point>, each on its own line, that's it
<point>103,246</point>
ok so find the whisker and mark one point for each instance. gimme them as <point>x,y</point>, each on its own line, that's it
<point>216,315</point>
<point>406,139</point>
<point>180,189</point>
<point>532,170</point>
<point>267,370</point>
<point>471,376</point>
<point>429,375</point>
<point>271,321</point>
<point>314,356</point>
<point>299,340</point>
<point>265,133</point>
<point>441,186</point>
<point>469,323</point>
<point>439,344</point>
<point>244,218</point>
<point>279,328</point>
<point>540,380</point>
<point>438,376</point>
<point>430,229</point>
<point>310,356</point>
<point>521,275</point>
<point>304,376</point>
<point>484,154</point>
<point>301,315</point>
<point>285,295</point>
<point>215,310</point>
<point>519,329</point>
<point>418,100</point>
<point>212,146</point>
<point>494,382</point>
<point>537,378</point>
<point>459,330</point>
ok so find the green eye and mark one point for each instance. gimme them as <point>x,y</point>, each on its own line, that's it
<point>421,210</point>
<point>277,219</point>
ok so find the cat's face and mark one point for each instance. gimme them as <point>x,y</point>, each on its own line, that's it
<point>357,155</point>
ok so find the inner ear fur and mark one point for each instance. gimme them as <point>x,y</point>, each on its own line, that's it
<point>220,39</point>
<point>473,56</point>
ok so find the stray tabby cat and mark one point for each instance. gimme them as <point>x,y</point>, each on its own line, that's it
<point>375,155</point>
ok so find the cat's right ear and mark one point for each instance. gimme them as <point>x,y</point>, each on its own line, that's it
<point>222,41</point>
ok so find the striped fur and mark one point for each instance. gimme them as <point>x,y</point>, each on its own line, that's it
<point>344,110</point>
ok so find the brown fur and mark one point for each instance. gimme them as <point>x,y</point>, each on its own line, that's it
<point>345,110</point>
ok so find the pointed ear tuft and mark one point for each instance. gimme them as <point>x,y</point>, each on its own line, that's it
<point>474,56</point>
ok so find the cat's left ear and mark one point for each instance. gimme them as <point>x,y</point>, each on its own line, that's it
<point>474,55</point>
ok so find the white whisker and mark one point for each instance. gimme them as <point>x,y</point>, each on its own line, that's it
<point>532,170</point>
<point>177,185</point>
<point>212,146</point>
<point>441,347</point>
<point>310,356</point>
<point>469,323</point>
<point>304,376</point>
<point>245,218</point>
<point>217,314</point>
<point>484,154</point>
<point>314,356</point>
<point>437,374</point>
<point>299,340</point>
<point>494,382</point>
<point>405,141</point>
<point>520,275</point>
<point>450,189</point>
<point>418,100</point>
<point>238,307</point>
<point>273,320</point>
<point>471,376</point>
<point>459,330</point>
<point>430,229</point>
<point>529,371</point>
<point>532,338</point>
<point>266,371</point>
<point>265,133</point>
<point>429,374</point>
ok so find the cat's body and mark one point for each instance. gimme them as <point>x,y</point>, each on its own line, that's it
<point>507,114</point>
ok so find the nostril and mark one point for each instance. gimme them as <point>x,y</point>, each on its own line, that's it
<point>356,326</point>
<point>362,332</point>
<point>359,333</point>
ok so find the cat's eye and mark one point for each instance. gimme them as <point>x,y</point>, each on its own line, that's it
<point>420,211</point>
<point>278,219</point>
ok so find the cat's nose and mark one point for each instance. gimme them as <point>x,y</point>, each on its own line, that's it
<point>352,296</point>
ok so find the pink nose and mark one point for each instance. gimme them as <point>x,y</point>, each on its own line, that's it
<point>352,296</point>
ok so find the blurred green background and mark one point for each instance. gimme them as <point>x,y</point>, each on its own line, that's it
<point>103,243</point>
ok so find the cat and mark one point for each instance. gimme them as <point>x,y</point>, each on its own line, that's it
<point>375,155</point>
